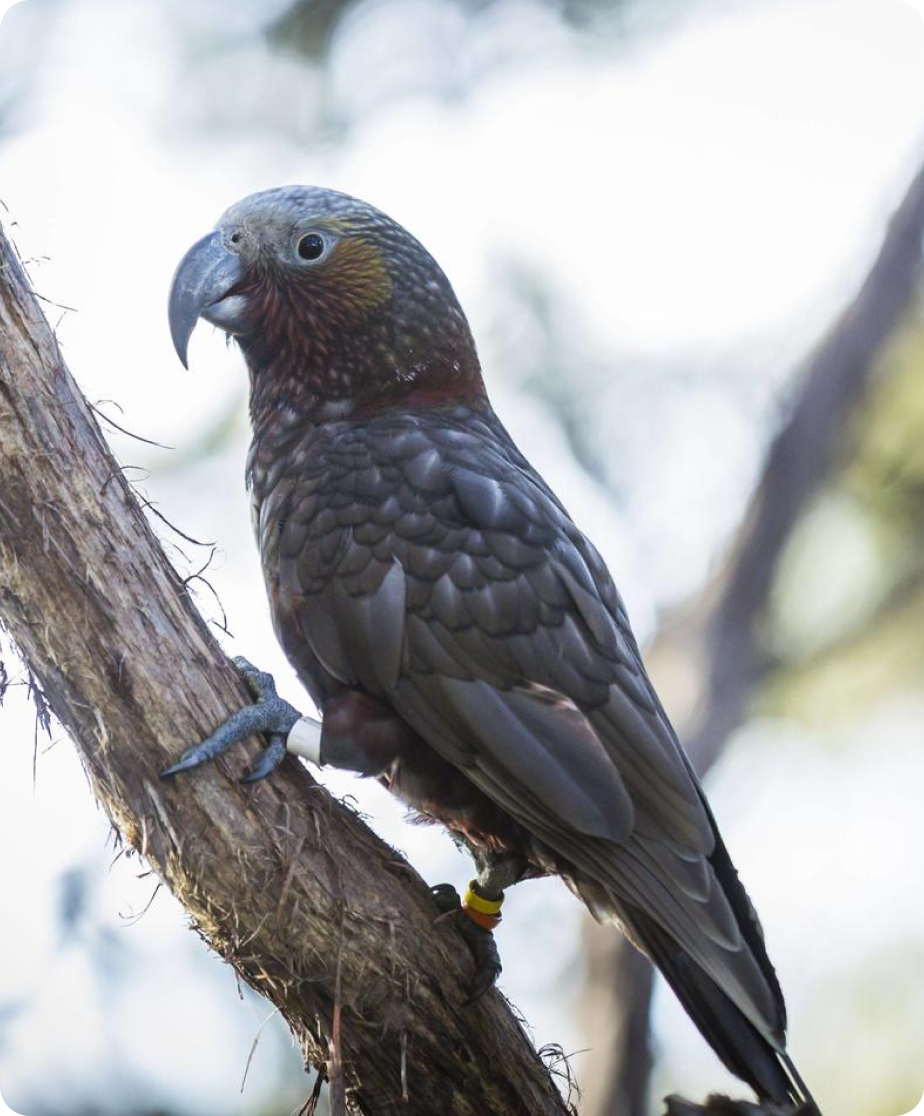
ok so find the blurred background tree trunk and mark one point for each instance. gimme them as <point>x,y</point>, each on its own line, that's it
<point>715,646</point>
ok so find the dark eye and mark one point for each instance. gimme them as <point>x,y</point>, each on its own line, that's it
<point>311,246</point>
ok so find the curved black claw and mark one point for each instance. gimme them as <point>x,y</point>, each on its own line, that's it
<point>271,757</point>
<point>446,898</point>
<point>270,715</point>
<point>479,940</point>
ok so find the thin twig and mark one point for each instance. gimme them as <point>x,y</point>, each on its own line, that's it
<point>121,429</point>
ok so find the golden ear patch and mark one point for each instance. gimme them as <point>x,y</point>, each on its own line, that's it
<point>356,275</point>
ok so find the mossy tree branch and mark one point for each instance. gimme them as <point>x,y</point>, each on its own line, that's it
<point>283,881</point>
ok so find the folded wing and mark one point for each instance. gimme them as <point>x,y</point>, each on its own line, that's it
<point>461,591</point>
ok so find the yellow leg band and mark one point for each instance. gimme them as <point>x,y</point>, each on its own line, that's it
<point>475,902</point>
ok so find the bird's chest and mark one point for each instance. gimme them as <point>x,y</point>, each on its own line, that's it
<point>362,527</point>
<point>323,517</point>
<point>313,499</point>
<point>344,502</point>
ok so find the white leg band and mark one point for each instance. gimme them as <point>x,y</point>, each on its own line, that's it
<point>304,739</point>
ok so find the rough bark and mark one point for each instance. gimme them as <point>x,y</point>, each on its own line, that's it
<point>715,644</point>
<point>283,881</point>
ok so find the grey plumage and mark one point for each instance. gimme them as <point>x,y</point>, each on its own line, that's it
<point>464,640</point>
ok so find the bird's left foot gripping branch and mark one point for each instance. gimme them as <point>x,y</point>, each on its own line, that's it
<point>462,638</point>
<point>285,729</point>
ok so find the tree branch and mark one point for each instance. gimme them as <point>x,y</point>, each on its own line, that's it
<point>720,636</point>
<point>283,881</point>
<point>799,461</point>
<point>723,1106</point>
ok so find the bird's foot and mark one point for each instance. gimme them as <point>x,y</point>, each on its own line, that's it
<point>271,715</point>
<point>476,919</point>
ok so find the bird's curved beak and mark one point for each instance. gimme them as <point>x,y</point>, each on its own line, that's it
<point>202,288</point>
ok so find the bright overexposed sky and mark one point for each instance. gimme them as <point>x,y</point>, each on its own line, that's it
<point>702,201</point>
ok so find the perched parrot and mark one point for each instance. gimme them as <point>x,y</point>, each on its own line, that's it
<point>462,639</point>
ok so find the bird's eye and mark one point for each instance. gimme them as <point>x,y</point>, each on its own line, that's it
<point>311,246</point>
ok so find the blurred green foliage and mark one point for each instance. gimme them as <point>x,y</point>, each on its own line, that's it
<point>848,610</point>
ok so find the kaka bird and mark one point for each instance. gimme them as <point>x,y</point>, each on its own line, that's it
<point>462,639</point>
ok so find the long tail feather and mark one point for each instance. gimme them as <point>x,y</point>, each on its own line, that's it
<point>735,1040</point>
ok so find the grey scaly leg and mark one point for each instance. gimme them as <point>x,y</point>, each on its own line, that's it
<point>271,715</point>
<point>479,913</point>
